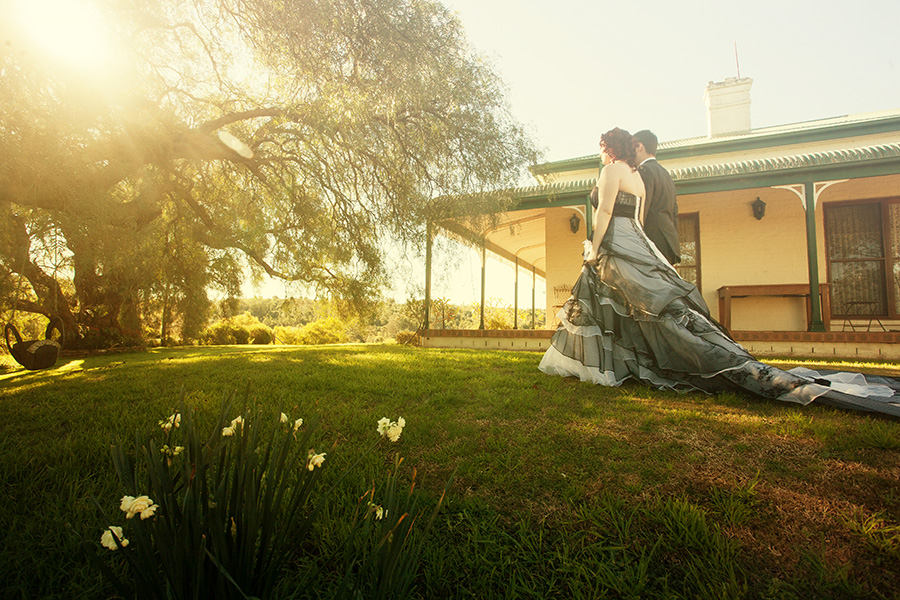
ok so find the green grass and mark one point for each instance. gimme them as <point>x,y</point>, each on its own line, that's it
<point>562,489</point>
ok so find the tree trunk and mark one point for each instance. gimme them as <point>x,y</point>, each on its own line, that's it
<point>50,299</point>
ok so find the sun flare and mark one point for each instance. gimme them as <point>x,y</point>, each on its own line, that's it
<point>70,31</point>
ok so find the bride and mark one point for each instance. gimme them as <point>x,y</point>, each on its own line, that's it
<point>630,316</point>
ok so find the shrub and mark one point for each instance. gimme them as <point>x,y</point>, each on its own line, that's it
<point>241,335</point>
<point>406,337</point>
<point>219,334</point>
<point>288,335</point>
<point>241,329</point>
<point>261,334</point>
<point>324,331</point>
<point>498,320</point>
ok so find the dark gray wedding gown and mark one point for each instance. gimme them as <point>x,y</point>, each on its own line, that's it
<point>635,318</point>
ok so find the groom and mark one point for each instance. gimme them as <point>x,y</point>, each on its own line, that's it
<point>661,215</point>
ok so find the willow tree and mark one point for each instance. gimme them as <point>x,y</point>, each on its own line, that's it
<point>296,136</point>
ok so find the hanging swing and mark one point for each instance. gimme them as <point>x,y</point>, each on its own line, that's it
<point>34,354</point>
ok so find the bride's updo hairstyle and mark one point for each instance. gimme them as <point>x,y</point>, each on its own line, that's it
<point>620,146</point>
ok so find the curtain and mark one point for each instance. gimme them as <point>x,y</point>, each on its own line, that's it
<point>856,256</point>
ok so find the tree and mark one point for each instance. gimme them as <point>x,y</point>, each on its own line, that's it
<point>294,137</point>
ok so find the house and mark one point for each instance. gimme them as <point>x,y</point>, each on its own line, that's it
<point>791,232</point>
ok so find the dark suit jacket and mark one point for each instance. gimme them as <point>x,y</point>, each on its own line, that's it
<point>661,217</point>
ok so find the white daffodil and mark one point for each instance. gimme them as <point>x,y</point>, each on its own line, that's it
<point>377,510</point>
<point>236,423</point>
<point>394,433</point>
<point>391,429</point>
<point>298,424</point>
<point>315,460</point>
<point>142,505</point>
<point>107,540</point>
<point>284,418</point>
<point>172,421</point>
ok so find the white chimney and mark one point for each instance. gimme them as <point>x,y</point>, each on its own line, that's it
<point>728,106</point>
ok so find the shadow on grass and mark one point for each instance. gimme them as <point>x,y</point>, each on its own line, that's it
<point>551,471</point>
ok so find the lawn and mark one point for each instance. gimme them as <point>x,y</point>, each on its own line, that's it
<point>561,489</point>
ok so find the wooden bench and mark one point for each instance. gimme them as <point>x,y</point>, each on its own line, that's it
<point>779,290</point>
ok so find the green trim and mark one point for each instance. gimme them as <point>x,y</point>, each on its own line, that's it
<point>745,181</point>
<point>815,323</point>
<point>574,196</point>
<point>692,147</point>
<point>851,163</point>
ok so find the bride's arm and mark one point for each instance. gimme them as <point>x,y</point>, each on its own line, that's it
<point>608,187</point>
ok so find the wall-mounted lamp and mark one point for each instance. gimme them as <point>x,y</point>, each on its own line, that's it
<point>759,209</point>
<point>574,222</point>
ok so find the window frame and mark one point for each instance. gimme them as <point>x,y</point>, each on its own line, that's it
<point>694,219</point>
<point>887,258</point>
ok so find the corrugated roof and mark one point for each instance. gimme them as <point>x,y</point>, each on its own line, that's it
<point>754,136</point>
<point>787,128</point>
<point>555,189</point>
<point>832,157</point>
<point>781,163</point>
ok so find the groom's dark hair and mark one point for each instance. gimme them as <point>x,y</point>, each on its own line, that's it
<point>648,139</point>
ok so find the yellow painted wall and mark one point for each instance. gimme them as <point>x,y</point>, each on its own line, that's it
<point>738,249</point>
<point>564,250</point>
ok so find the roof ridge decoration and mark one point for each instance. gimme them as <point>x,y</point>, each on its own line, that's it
<point>830,157</point>
<point>561,186</point>
<point>759,165</point>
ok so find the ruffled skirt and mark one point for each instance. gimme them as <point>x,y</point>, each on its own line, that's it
<point>635,318</point>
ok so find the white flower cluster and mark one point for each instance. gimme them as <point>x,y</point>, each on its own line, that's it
<point>172,421</point>
<point>391,429</point>
<point>377,510</point>
<point>314,460</point>
<point>107,540</point>
<point>297,424</point>
<point>236,423</point>
<point>171,452</point>
<point>142,505</point>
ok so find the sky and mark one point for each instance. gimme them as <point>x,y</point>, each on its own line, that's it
<point>575,69</point>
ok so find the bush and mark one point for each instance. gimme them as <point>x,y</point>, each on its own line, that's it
<point>261,334</point>
<point>288,335</point>
<point>324,331</point>
<point>242,329</point>
<point>406,337</point>
<point>219,334</point>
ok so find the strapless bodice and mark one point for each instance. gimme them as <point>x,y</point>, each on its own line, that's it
<point>626,205</point>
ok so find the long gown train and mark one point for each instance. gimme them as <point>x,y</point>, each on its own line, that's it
<point>634,317</point>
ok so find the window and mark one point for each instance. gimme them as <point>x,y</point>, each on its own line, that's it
<point>862,245</point>
<point>689,239</point>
